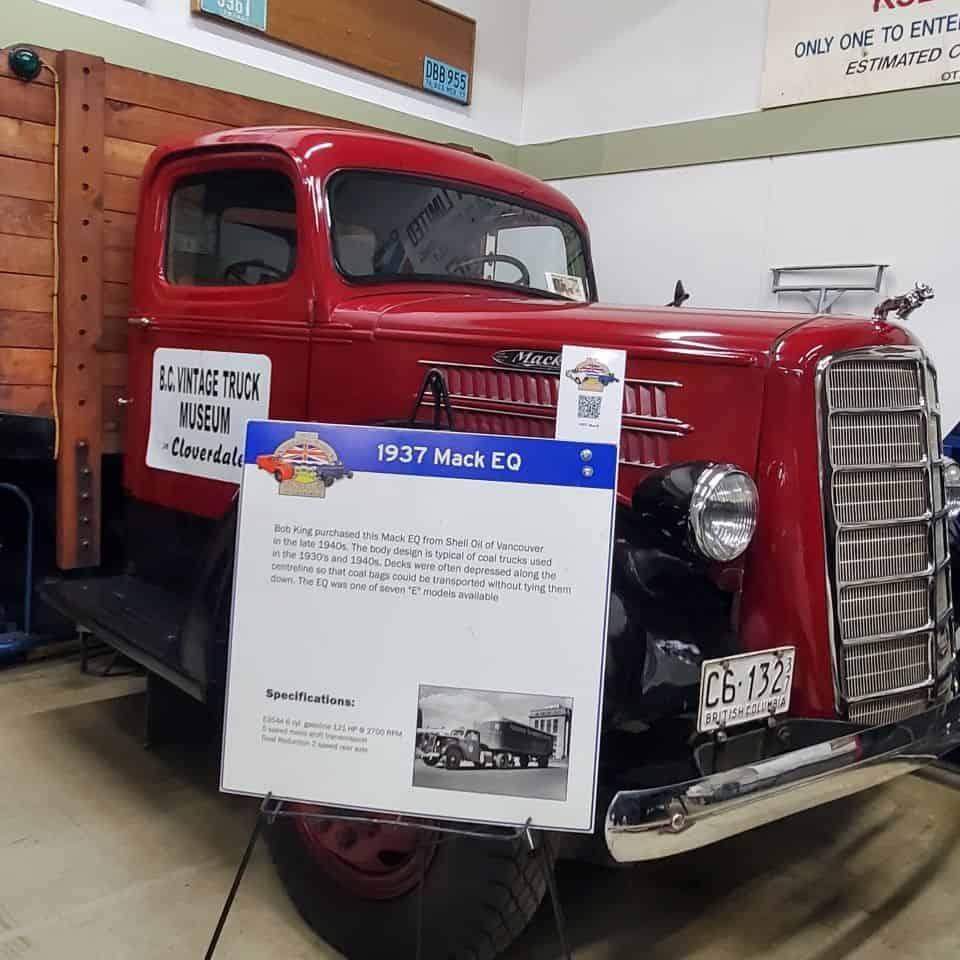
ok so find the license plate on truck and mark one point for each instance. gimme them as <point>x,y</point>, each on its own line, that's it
<point>747,687</point>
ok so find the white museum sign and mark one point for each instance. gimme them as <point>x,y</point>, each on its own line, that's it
<point>200,402</point>
<point>825,49</point>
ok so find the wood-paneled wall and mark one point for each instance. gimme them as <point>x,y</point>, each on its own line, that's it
<point>27,113</point>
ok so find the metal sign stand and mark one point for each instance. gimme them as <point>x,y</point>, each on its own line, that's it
<point>268,814</point>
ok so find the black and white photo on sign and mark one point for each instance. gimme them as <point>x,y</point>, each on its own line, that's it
<point>485,741</point>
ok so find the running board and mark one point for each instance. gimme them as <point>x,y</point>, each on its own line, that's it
<point>136,618</point>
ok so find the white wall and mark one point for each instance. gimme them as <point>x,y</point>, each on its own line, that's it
<point>498,73</point>
<point>721,227</point>
<point>605,65</point>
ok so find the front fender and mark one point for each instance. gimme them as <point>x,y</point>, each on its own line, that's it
<point>666,617</point>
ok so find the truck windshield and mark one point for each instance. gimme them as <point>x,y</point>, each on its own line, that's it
<point>391,227</point>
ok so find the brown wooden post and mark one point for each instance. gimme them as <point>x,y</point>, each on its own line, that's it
<point>79,389</point>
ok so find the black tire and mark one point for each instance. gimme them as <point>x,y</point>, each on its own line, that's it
<point>542,762</point>
<point>524,761</point>
<point>278,476</point>
<point>478,897</point>
<point>504,761</point>
<point>431,761</point>
<point>453,758</point>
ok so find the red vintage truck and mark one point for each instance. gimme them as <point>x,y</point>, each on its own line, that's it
<point>781,486</point>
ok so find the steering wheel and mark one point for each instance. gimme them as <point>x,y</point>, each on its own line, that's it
<point>237,271</point>
<point>495,258</point>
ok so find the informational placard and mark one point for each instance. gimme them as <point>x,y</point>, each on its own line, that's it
<point>590,400</point>
<point>419,622</point>
<point>247,13</point>
<point>824,49</point>
<point>200,402</point>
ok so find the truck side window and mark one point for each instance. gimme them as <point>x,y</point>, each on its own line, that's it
<point>232,228</point>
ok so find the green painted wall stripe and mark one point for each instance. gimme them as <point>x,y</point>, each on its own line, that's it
<point>931,113</point>
<point>27,21</point>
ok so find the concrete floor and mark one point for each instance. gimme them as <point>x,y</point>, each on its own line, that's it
<point>110,852</point>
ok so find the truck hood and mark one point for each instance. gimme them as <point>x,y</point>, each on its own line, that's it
<point>744,338</point>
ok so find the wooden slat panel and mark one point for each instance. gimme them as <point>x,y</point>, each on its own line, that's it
<point>119,230</point>
<point>121,194</point>
<point>28,401</point>
<point>79,389</point>
<point>127,121</point>
<point>124,157</point>
<point>33,294</point>
<point>25,255</point>
<point>117,265</point>
<point>113,369</point>
<point>27,101</point>
<point>25,366</point>
<point>48,56</point>
<point>116,300</point>
<point>19,328</point>
<point>26,178</point>
<point>26,218</point>
<point>113,338</point>
<point>206,103</point>
<point>28,141</point>
<point>385,37</point>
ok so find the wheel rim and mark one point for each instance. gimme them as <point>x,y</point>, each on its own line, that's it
<point>372,861</point>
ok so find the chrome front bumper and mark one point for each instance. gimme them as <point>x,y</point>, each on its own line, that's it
<point>661,822</point>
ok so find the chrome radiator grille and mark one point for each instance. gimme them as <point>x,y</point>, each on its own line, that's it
<point>886,531</point>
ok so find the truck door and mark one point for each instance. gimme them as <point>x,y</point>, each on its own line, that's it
<point>220,321</point>
<point>471,746</point>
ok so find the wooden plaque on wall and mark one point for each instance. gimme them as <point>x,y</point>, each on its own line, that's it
<point>389,38</point>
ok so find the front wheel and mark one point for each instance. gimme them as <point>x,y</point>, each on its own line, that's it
<point>452,759</point>
<point>431,761</point>
<point>356,886</point>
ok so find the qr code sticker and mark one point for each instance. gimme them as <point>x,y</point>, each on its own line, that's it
<point>588,408</point>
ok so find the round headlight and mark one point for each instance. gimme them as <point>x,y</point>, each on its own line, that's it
<point>723,512</point>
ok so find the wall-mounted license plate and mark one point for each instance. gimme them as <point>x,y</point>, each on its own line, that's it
<point>247,13</point>
<point>447,81</point>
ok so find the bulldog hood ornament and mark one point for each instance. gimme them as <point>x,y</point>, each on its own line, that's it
<point>906,303</point>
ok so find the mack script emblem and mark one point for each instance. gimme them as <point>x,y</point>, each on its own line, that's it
<point>547,361</point>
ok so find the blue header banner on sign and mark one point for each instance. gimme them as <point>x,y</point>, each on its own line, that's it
<point>428,453</point>
<point>447,81</point>
<point>247,13</point>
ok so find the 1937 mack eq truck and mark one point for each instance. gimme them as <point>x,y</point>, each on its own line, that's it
<point>781,486</point>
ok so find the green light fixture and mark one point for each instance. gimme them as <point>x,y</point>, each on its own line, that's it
<point>25,64</point>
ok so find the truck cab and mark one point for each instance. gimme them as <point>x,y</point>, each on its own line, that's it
<point>781,480</point>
